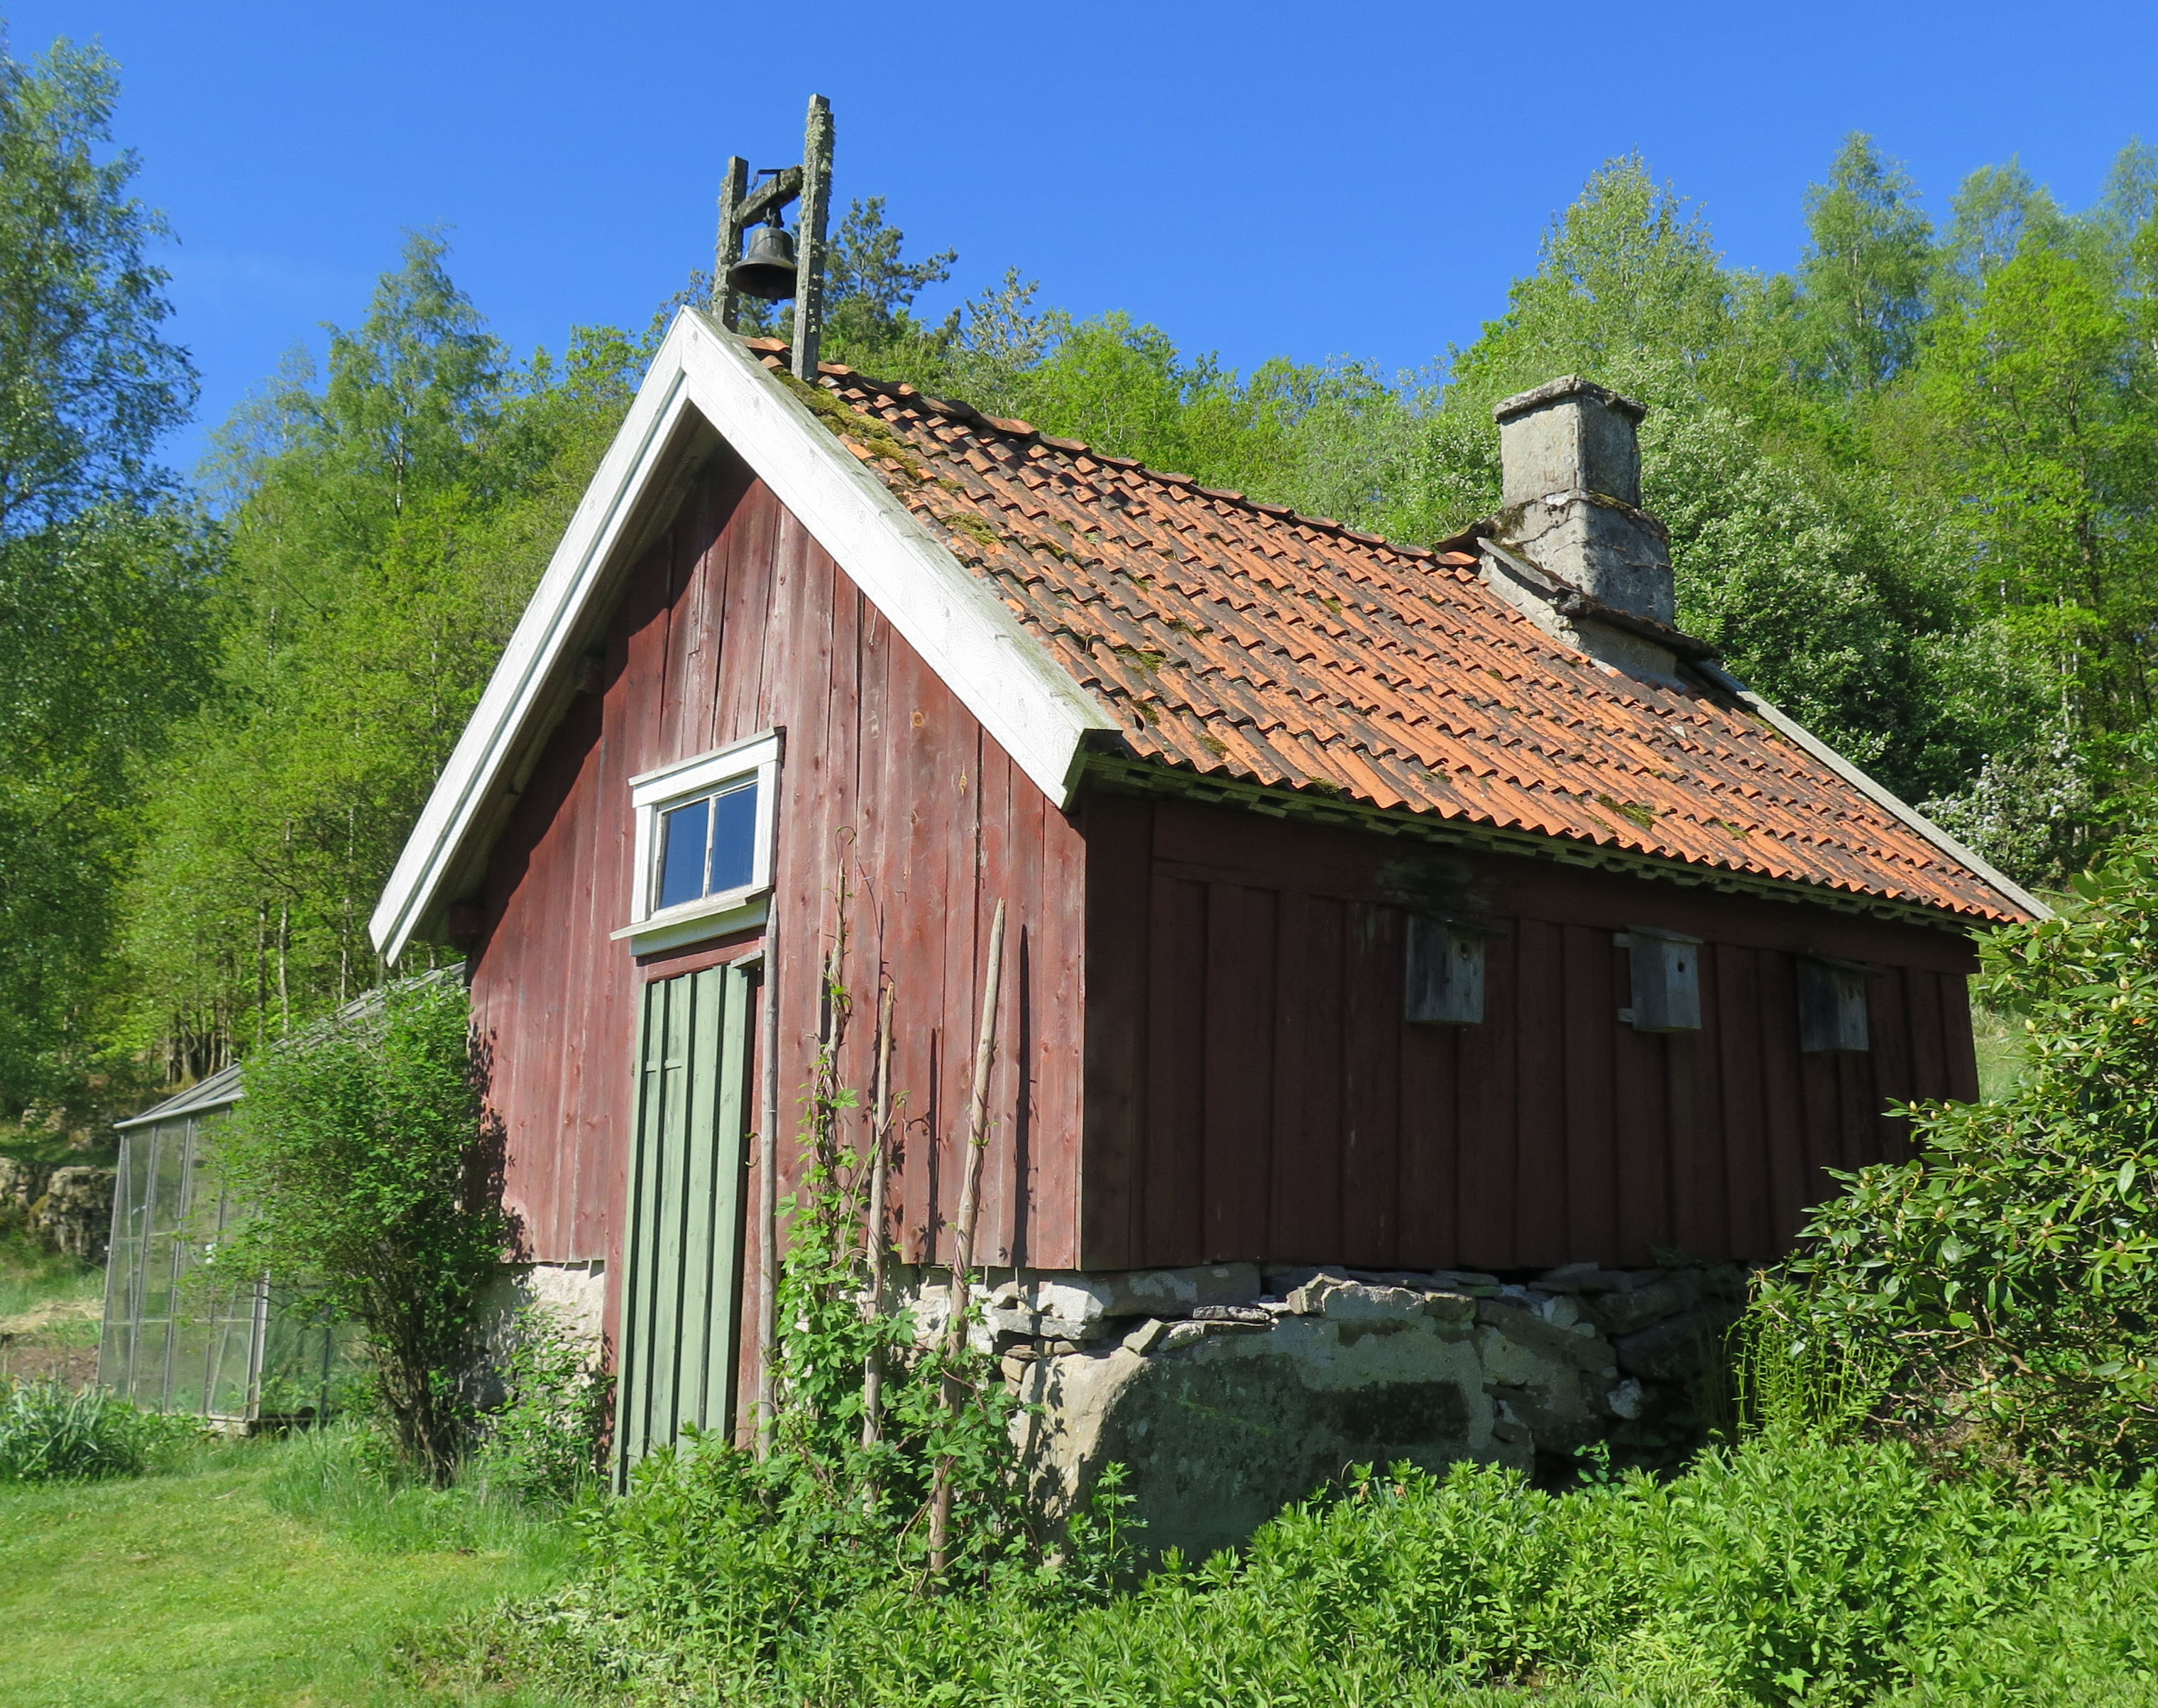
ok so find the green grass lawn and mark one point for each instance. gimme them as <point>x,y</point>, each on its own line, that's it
<point>33,1281</point>
<point>193,1588</point>
<point>51,1307</point>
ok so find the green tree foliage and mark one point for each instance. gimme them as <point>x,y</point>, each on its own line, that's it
<point>374,1180</point>
<point>390,520</point>
<point>1908,484</point>
<point>1864,275</point>
<point>103,571</point>
<point>2004,1282</point>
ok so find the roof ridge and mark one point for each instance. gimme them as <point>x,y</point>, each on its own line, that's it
<point>958,410</point>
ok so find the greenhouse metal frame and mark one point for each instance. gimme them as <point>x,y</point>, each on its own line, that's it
<point>241,1356</point>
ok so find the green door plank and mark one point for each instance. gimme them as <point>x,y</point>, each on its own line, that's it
<point>675,1141</point>
<point>697,1303</point>
<point>731,1120</point>
<point>632,1418</point>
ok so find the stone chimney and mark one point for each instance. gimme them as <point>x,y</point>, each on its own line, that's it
<point>1573,493</point>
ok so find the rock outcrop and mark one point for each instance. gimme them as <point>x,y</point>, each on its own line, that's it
<point>1227,1392</point>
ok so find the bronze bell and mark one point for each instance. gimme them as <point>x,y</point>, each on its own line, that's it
<point>768,269</point>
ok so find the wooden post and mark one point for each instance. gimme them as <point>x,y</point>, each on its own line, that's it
<point>732,189</point>
<point>809,239</point>
<point>768,1224</point>
<point>962,1247</point>
<point>873,1237</point>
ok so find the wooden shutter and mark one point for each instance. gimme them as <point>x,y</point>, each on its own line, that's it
<point>681,1294</point>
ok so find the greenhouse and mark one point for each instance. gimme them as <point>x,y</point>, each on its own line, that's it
<point>239,1356</point>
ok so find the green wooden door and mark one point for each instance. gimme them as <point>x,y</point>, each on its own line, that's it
<point>681,1295</point>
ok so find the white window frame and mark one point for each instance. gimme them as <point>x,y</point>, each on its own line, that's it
<point>650,929</point>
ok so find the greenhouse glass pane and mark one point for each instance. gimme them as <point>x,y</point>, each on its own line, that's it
<point>190,1366</point>
<point>231,1339</point>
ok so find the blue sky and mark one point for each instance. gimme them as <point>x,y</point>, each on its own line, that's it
<point>1181,161</point>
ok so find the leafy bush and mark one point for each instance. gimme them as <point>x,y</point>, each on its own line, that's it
<point>2091,1640</point>
<point>48,1434</point>
<point>543,1443</point>
<point>376,1181</point>
<point>2002,1287</point>
<point>1788,1570</point>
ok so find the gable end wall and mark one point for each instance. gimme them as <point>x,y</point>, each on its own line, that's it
<point>736,622</point>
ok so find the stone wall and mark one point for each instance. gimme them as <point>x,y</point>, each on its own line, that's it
<point>71,1210</point>
<point>1228,1392</point>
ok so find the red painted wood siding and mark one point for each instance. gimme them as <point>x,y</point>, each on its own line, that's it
<point>890,793</point>
<point>1255,1092</point>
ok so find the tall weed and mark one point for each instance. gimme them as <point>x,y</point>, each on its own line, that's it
<point>49,1434</point>
<point>348,1478</point>
<point>544,1444</point>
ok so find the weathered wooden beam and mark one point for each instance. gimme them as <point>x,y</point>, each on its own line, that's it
<point>809,239</point>
<point>734,190</point>
<point>776,191</point>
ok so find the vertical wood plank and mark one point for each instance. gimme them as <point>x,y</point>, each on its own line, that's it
<point>1371,1033</point>
<point>721,1409</point>
<point>1235,1109</point>
<point>1431,1159</point>
<point>1745,1134</point>
<point>1313,1135</point>
<point>1540,1189</point>
<point>700,1188</point>
<point>1176,1032</point>
<point>1488,1055</point>
<point>1958,1048</point>
<point>1592,1167</point>
<point>1700,1160</point>
<point>1640,1083</point>
<point>1118,833</point>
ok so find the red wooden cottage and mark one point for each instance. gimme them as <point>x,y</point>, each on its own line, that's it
<point>1371,904</point>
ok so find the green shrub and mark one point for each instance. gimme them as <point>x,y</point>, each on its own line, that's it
<point>374,1180</point>
<point>1788,1570</point>
<point>2002,1288</point>
<point>48,1434</point>
<point>2091,1640</point>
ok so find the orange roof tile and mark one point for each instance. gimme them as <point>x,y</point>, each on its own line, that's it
<point>1237,639</point>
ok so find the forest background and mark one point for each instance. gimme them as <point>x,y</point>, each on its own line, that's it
<point>1911,486</point>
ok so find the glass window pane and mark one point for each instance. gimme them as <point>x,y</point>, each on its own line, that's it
<point>734,838</point>
<point>682,853</point>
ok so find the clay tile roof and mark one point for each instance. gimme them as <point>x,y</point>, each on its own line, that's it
<point>1239,640</point>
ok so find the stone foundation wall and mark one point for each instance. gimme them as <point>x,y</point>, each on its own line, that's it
<point>572,1295</point>
<point>1229,1391</point>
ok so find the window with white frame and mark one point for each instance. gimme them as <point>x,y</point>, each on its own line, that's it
<point>704,843</point>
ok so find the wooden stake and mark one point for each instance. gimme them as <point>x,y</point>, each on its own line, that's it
<point>732,189</point>
<point>874,1231</point>
<point>963,1252</point>
<point>809,238</point>
<point>767,1225</point>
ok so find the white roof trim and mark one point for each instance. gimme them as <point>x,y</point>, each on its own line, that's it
<point>1880,795</point>
<point>1004,675</point>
